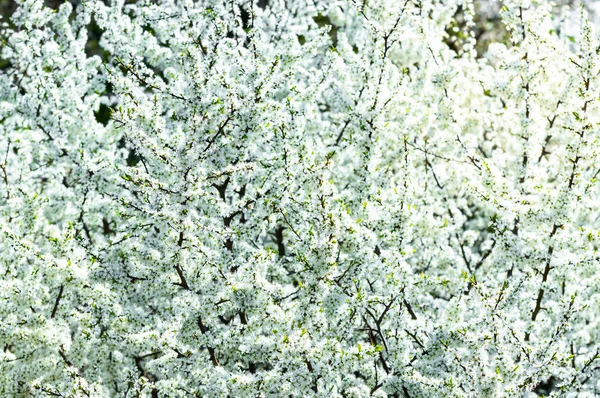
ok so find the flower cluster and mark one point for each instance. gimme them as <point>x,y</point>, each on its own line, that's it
<point>275,198</point>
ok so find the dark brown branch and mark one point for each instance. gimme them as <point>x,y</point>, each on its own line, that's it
<point>211,351</point>
<point>410,310</point>
<point>547,268</point>
<point>218,133</point>
<point>290,225</point>
<point>57,302</point>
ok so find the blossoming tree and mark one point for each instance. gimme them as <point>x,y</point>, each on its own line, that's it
<point>264,198</point>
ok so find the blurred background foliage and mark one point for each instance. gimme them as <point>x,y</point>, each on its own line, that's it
<point>488,29</point>
<point>488,24</point>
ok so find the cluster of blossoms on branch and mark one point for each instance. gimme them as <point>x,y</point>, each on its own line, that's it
<point>307,198</point>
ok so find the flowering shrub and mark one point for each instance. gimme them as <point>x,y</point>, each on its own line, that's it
<point>298,198</point>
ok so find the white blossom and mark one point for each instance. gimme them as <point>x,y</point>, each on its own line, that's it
<point>272,198</point>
